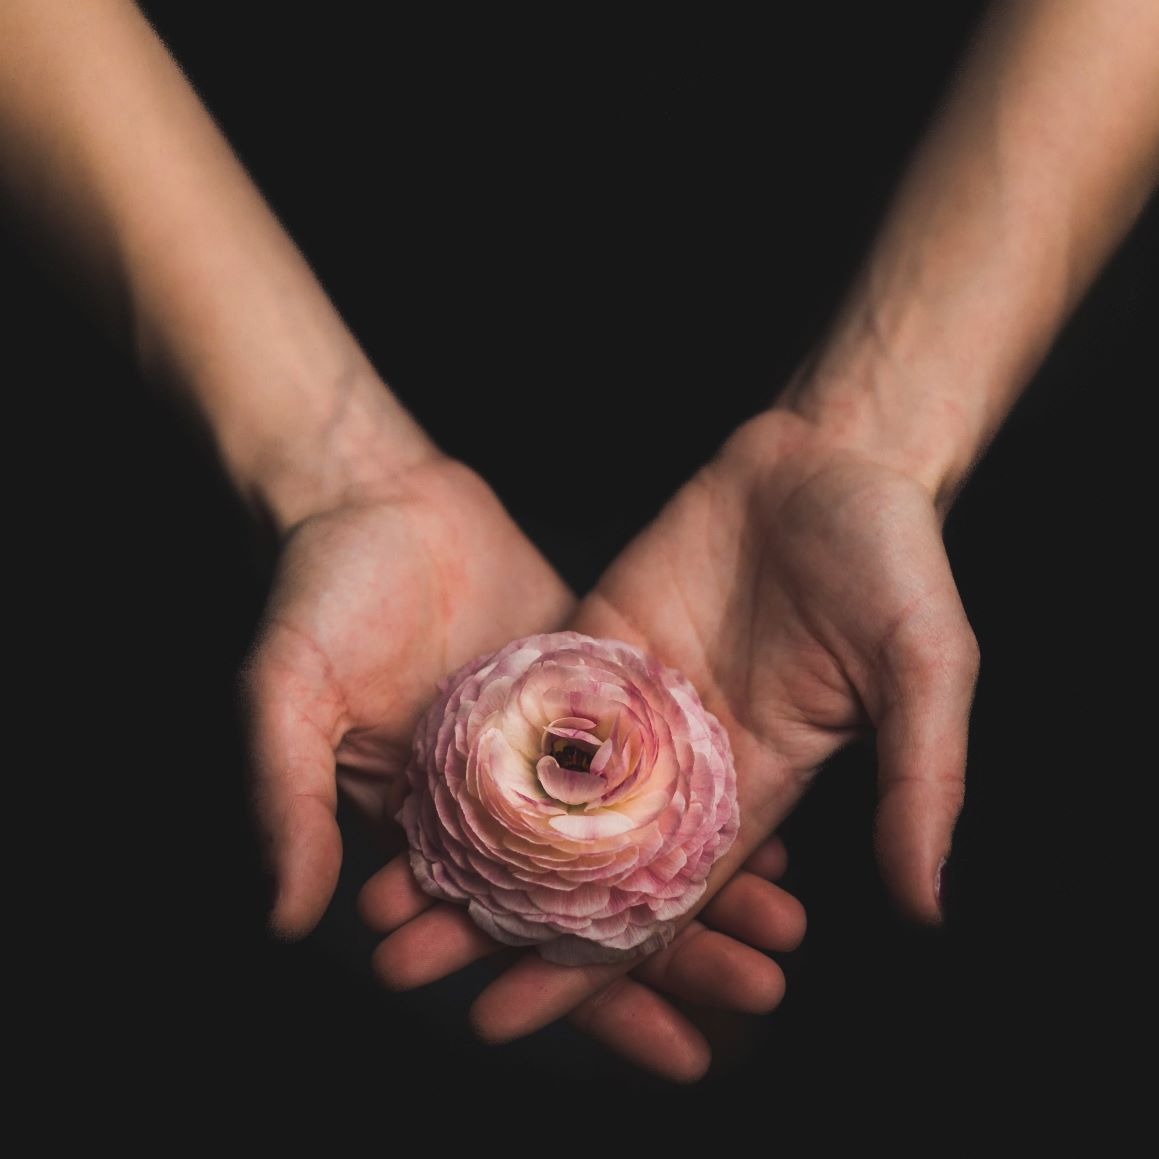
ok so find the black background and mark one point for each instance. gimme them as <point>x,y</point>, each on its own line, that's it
<point>642,226</point>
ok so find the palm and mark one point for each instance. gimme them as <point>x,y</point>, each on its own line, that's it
<point>373,604</point>
<point>806,593</point>
<point>711,962</point>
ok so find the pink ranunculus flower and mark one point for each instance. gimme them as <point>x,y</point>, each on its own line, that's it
<point>574,793</point>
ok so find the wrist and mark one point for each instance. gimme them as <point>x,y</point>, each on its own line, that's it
<point>354,445</point>
<point>300,420</point>
<point>870,404</point>
<point>919,382</point>
<point>819,422</point>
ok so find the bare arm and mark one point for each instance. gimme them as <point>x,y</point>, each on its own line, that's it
<point>1043,156</point>
<point>106,148</point>
<point>819,601</point>
<point>398,564</point>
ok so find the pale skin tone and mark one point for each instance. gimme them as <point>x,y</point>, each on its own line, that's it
<point>397,564</point>
<point>819,601</point>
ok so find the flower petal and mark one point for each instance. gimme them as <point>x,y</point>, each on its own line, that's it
<point>590,864</point>
<point>568,785</point>
<point>585,826</point>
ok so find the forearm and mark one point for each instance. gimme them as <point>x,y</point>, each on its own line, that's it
<point>1041,159</point>
<point>108,149</point>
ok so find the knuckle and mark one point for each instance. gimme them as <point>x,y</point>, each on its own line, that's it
<point>944,655</point>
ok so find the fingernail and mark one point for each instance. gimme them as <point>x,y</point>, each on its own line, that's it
<point>939,883</point>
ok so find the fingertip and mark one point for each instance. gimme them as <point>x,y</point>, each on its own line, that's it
<point>305,869</point>
<point>392,897</point>
<point>533,992</point>
<point>389,967</point>
<point>638,1024</point>
<point>288,922</point>
<point>758,913</point>
<point>793,924</point>
<point>690,1065</point>
<point>715,970</point>
<point>293,917</point>
<point>911,834</point>
<point>922,741</point>
<point>495,1021</point>
<point>284,924</point>
<point>763,992</point>
<point>430,947</point>
<point>484,1027</point>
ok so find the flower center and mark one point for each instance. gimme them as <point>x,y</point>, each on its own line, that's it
<point>571,742</point>
<point>565,772</point>
<point>570,755</point>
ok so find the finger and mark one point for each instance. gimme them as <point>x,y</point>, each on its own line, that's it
<point>640,1026</point>
<point>392,897</point>
<point>921,750</point>
<point>533,992</point>
<point>757,913</point>
<point>769,860</point>
<point>701,965</point>
<point>294,788</point>
<point>705,966</point>
<point>436,943</point>
<point>715,970</point>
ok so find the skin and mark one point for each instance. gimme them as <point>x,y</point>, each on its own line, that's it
<point>372,604</point>
<point>823,603</point>
<point>397,564</point>
<point>818,601</point>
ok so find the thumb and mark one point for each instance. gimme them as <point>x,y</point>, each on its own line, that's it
<point>922,727</point>
<point>294,787</point>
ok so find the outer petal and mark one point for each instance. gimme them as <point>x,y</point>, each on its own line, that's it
<point>490,818</point>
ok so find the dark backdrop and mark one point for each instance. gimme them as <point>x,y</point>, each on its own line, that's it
<point>647,219</point>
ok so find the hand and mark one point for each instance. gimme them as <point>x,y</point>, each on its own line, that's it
<point>375,600</point>
<point>713,961</point>
<point>805,591</point>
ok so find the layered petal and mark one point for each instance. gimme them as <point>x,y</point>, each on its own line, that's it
<point>574,793</point>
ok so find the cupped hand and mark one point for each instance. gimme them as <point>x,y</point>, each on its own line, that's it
<point>374,601</point>
<point>804,590</point>
<point>716,960</point>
